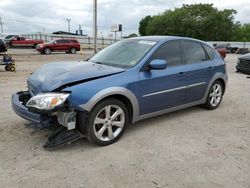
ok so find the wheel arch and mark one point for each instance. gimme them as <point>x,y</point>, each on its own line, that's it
<point>120,93</point>
<point>222,77</point>
<point>222,81</point>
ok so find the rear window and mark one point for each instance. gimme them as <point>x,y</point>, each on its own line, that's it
<point>74,41</point>
<point>194,52</point>
<point>210,51</point>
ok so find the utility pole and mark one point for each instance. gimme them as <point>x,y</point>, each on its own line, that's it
<point>95,25</point>
<point>1,23</point>
<point>68,20</point>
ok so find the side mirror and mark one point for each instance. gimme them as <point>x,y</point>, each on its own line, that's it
<point>158,64</point>
<point>54,42</point>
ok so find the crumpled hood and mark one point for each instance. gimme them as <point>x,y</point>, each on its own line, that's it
<point>54,75</point>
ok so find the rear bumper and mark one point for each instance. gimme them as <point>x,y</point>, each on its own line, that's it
<point>23,112</point>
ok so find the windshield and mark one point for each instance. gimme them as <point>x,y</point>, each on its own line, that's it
<point>125,54</point>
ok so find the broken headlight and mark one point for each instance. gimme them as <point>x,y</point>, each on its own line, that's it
<point>47,101</point>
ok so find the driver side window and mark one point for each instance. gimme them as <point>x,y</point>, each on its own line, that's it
<point>170,51</point>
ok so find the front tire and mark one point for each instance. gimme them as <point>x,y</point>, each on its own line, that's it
<point>215,95</point>
<point>47,51</point>
<point>107,122</point>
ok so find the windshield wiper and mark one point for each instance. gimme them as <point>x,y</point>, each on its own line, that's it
<point>96,62</point>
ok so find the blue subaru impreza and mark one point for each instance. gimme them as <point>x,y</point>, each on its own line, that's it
<point>126,82</point>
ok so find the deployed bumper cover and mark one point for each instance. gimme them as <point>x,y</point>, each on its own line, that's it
<point>23,111</point>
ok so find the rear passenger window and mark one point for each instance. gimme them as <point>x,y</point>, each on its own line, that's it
<point>65,41</point>
<point>170,51</point>
<point>194,52</point>
<point>59,42</point>
<point>210,51</point>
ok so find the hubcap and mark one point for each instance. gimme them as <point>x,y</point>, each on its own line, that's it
<point>47,50</point>
<point>215,95</point>
<point>109,123</point>
<point>73,50</point>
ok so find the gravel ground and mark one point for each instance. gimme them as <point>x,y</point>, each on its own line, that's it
<point>189,148</point>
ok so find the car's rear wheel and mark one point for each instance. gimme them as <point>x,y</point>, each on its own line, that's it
<point>73,51</point>
<point>12,68</point>
<point>47,51</point>
<point>107,122</point>
<point>215,95</point>
<point>35,46</point>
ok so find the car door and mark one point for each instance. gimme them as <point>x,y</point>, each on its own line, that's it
<point>162,89</point>
<point>199,69</point>
<point>65,45</point>
<point>58,45</point>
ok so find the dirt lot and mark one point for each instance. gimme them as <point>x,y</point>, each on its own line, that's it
<point>189,148</point>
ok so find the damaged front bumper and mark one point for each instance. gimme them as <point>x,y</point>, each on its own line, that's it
<point>65,134</point>
<point>18,101</point>
<point>62,115</point>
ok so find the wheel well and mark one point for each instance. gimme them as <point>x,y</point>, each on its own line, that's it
<point>48,48</point>
<point>223,84</point>
<point>125,101</point>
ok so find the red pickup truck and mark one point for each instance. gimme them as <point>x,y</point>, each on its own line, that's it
<point>23,42</point>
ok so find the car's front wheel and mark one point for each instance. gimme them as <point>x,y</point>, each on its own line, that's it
<point>215,95</point>
<point>47,51</point>
<point>107,122</point>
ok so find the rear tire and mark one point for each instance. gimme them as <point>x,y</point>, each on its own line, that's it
<point>215,95</point>
<point>72,50</point>
<point>12,68</point>
<point>35,46</point>
<point>107,122</point>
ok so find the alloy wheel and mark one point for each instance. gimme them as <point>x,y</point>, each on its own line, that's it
<point>215,95</point>
<point>109,122</point>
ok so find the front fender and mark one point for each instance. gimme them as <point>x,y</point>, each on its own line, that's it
<point>88,106</point>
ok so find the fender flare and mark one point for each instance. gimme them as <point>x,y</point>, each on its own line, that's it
<point>114,91</point>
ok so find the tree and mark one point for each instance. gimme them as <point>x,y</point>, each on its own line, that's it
<point>201,21</point>
<point>241,32</point>
<point>132,35</point>
<point>143,24</point>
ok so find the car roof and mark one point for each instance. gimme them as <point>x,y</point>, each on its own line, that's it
<point>164,38</point>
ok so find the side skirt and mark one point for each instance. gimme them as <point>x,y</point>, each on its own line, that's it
<point>149,115</point>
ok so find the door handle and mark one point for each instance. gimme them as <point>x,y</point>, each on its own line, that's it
<point>181,73</point>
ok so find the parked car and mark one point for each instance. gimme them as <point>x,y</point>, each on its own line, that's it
<point>23,42</point>
<point>243,64</point>
<point>226,46</point>
<point>67,45</point>
<point>8,38</point>
<point>222,52</point>
<point>3,46</point>
<point>128,81</point>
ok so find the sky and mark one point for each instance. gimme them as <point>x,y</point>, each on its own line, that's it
<point>28,16</point>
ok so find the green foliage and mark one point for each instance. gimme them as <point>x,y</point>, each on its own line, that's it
<point>202,21</point>
<point>143,25</point>
<point>132,35</point>
<point>241,32</point>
